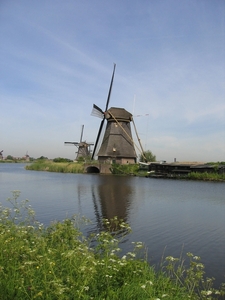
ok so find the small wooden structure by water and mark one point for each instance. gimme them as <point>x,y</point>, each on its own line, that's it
<point>164,169</point>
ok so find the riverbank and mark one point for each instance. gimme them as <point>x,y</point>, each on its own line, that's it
<point>129,169</point>
<point>192,176</point>
<point>58,262</point>
<point>61,167</point>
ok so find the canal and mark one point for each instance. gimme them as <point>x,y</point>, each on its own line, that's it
<point>169,216</point>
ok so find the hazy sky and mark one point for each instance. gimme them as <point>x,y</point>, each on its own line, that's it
<point>57,60</point>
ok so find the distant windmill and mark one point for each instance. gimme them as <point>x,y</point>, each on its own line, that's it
<point>27,157</point>
<point>84,148</point>
<point>117,145</point>
<point>1,154</point>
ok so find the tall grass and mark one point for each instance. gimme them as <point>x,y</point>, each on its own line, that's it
<point>128,169</point>
<point>58,262</point>
<point>62,167</point>
<point>206,176</point>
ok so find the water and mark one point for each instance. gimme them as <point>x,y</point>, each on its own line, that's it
<point>169,216</point>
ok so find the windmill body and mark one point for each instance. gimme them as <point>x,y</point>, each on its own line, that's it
<point>117,145</point>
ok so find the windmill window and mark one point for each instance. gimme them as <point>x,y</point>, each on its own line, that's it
<point>116,125</point>
<point>114,149</point>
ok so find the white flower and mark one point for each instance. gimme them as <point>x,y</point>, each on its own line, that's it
<point>143,286</point>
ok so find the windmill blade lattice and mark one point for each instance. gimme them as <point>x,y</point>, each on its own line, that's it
<point>96,108</point>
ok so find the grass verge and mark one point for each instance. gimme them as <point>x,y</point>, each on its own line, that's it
<point>61,167</point>
<point>58,262</point>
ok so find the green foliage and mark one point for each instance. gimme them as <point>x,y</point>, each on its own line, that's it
<point>191,276</point>
<point>216,163</point>
<point>58,262</point>
<point>61,159</point>
<point>129,169</point>
<point>148,156</point>
<point>42,158</point>
<point>61,167</point>
<point>9,157</point>
<point>206,176</point>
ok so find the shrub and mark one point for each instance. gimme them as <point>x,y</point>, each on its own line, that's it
<point>60,159</point>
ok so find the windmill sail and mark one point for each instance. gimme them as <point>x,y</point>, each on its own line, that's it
<point>100,111</point>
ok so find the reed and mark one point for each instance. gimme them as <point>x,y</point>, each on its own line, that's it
<point>206,176</point>
<point>50,166</point>
<point>129,169</point>
<point>58,262</point>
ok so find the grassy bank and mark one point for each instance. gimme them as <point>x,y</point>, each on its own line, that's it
<point>206,176</point>
<point>78,167</point>
<point>58,262</point>
<point>50,166</point>
<point>116,169</point>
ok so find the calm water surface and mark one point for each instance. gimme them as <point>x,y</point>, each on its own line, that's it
<point>167,215</point>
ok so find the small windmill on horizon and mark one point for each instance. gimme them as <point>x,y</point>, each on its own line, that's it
<point>84,148</point>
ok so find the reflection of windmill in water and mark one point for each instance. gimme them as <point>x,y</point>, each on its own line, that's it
<point>84,148</point>
<point>117,145</point>
<point>111,196</point>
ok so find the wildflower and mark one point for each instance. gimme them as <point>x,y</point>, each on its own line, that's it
<point>143,286</point>
<point>86,288</point>
<point>196,257</point>
<point>170,258</point>
<point>131,254</point>
<point>139,246</point>
<point>124,257</point>
<point>208,293</point>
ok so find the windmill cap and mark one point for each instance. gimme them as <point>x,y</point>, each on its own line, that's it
<point>119,114</point>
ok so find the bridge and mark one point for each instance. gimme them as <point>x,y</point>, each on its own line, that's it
<point>97,168</point>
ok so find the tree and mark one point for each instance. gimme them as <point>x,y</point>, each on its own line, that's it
<point>42,157</point>
<point>148,155</point>
<point>9,157</point>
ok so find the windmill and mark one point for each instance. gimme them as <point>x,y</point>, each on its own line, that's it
<point>117,145</point>
<point>84,148</point>
<point>1,154</point>
<point>27,157</point>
